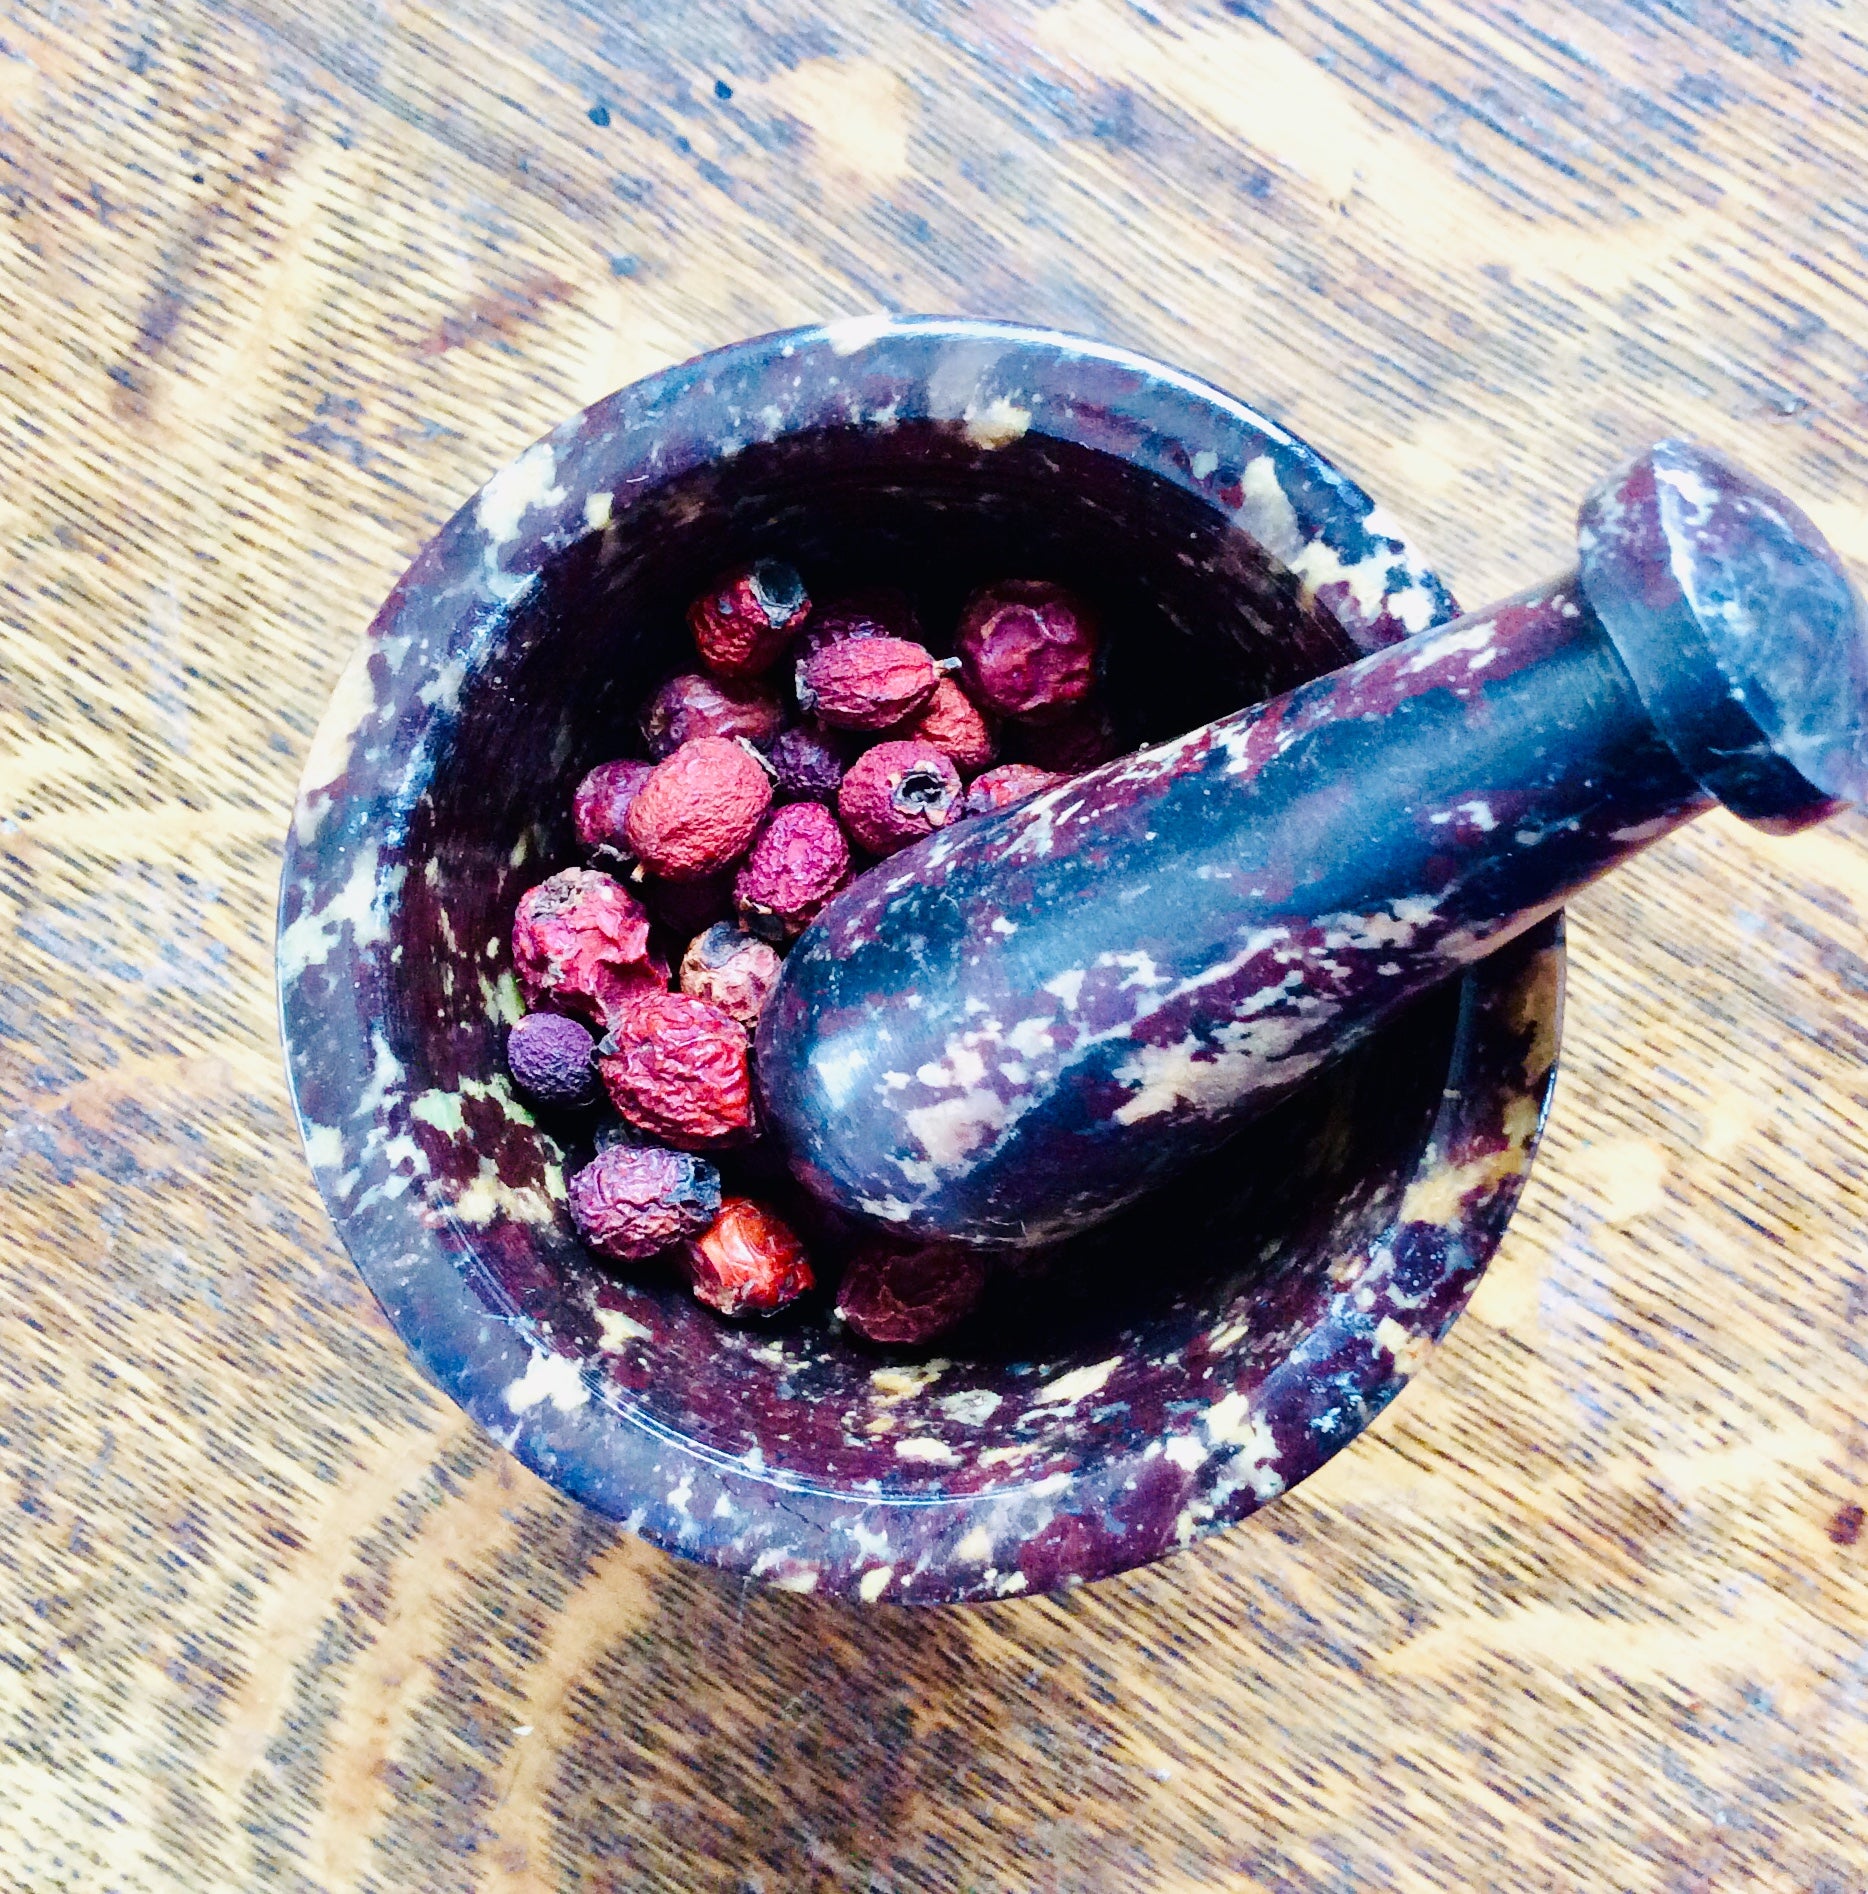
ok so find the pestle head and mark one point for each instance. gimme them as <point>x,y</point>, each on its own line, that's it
<point>1744,638</point>
<point>1026,1022</point>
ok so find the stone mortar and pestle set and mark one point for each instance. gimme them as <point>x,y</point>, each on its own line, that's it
<point>1253,1028</point>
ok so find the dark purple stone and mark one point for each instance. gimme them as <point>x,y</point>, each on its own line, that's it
<point>1167,1374</point>
<point>550,1058</point>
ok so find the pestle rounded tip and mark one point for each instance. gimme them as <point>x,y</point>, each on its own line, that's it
<point>1742,633</point>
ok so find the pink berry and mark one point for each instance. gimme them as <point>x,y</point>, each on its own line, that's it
<point>601,804</point>
<point>951,721</point>
<point>699,811</point>
<point>742,624</point>
<point>580,945</point>
<point>880,612</point>
<point>678,1069</point>
<point>1078,740</point>
<point>749,1262</point>
<point>866,683</point>
<point>633,1201</point>
<point>1028,648</point>
<point>799,861</point>
<point>897,793</point>
<point>695,705</point>
<point>1009,784</point>
<point>731,970</point>
<point>905,1296</point>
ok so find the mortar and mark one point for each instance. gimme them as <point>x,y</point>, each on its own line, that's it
<point>1178,1367</point>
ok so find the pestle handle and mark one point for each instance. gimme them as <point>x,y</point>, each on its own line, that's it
<point>1018,1027</point>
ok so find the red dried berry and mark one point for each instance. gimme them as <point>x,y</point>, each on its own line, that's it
<point>807,766</point>
<point>1008,785</point>
<point>634,1201</point>
<point>730,970</point>
<point>866,683</point>
<point>897,793</point>
<point>548,1056</point>
<point>580,945</point>
<point>1029,648</point>
<point>694,705</point>
<point>951,721</point>
<point>749,1263</point>
<point>699,811</point>
<point>799,861</point>
<point>743,624</point>
<point>1077,741</point>
<point>879,613</point>
<point>904,1296</point>
<point>677,1068</point>
<point>601,804</point>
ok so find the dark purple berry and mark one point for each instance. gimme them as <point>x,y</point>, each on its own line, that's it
<point>550,1058</point>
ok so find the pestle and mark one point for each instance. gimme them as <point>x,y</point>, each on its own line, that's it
<point>1012,1030</point>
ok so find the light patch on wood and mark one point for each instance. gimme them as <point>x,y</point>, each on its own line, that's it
<point>859,114</point>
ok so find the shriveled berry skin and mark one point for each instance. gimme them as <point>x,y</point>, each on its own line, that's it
<point>1008,785</point>
<point>1028,648</point>
<point>696,705</point>
<point>580,945</point>
<point>897,793</point>
<point>902,1296</point>
<point>699,811</point>
<point>677,1068</point>
<point>807,766</point>
<point>866,683</point>
<point>750,1262</point>
<point>951,721</point>
<point>743,623</point>
<point>731,970</point>
<point>880,612</point>
<point>634,1201</point>
<point>1077,741</point>
<point>799,861</point>
<point>601,805</point>
<point>549,1057</point>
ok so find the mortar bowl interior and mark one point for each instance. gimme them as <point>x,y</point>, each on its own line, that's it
<point>1161,1377</point>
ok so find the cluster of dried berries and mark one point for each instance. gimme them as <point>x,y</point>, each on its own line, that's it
<point>814,738</point>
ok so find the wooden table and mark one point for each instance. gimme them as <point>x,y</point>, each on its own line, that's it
<point>280,286</point>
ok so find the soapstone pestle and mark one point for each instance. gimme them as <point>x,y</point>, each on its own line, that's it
<point>1015,1028</point>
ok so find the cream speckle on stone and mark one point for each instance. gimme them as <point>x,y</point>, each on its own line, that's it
<point>1079,1384</point>
<point>1265,511</point>
<point>1000,422</point>
<point>441,1109</point>
<point>874,1583</point>
<point>615,1330</point>
<point>975,1548</point>
<point>519,486</point>
<point>324,1146</point>
<point>1185,1451</point>
<point>1204,464</point>
<point>849,333</point>
<point>597,507</point>
<point>926,1451</point>
<point>361,904</point>
<point>948,1131</point>
<point>1067,986</point>
<point>970,1407</point>
<point>804,1579</point>
<point>553,1378</point>
<point>353,703</point>
<point>1410,1350</point>
<point>898,1384</point>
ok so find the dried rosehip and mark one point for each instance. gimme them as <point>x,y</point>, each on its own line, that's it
<point>601,804</point>
<point>634,1201</point>
<point>866,683</point>
<point>548,1056</point>
<point>1077,741</point>
<point>878,613</point>
<point>903,1296</point>
<point>695,705</point>
<point>699,811</point>
<point>730,970</point>
<point>677,1068</point>
<point>580,945</point>
<point>951,721</point>
<point>799,861</point>
<point>1009,784</point>
<point>806,765</point>
<point>1028,648</point>
<point>749,1263</point>
<point>897,793</point>
<point>743,624</point>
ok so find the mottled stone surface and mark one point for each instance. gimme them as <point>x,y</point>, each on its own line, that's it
<point>1188,1363</point>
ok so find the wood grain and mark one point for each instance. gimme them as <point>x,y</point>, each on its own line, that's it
<point>279,285</point>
